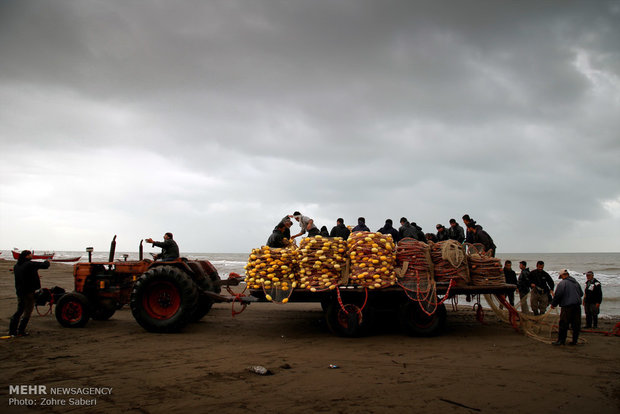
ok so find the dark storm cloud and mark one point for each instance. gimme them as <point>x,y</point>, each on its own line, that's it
<point>505,110</point>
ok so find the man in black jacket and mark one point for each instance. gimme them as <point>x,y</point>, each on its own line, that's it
<point>442,233</point>
<point>169,248</point>
<point>482,237</point>
<point>456,232</point>
<point>361,225</point>
<point>340,230</point>
<point>511,278</point>
<point>542,285</point>
<point>523,283</point>
<point>592,300</point>
<point>389,229</point>
<point>26,283</point>
<point>276,240</point>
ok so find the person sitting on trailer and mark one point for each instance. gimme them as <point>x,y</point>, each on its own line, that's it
<point>442,233</point>
<point>287,223</point>
<point>340,230</point>
<point>388,228</point>
<point>456,232</point>
<point>406,230</point>
<point>276,240</point>
<point>482,237</point>
<point>470,235</point>
<point>430,237</point>
<point>306,224</point>
<point>361,225</point>
<point>169,248</point>
<point>324,231</point>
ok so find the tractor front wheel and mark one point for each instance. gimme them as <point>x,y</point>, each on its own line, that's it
<point>72,310</point>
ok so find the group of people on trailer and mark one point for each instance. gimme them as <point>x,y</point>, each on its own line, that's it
<point>568,295</point>
<point>474,234</point>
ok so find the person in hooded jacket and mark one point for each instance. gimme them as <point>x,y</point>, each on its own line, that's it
<point>407,230</point>
<point>568,295</point>
<point>389,229</point>
<point>419,235</point>
<point>482,237</point>
<point>324,231</point>
<point>361,225</point>
<point>26,283</point>
<point>340,230</point>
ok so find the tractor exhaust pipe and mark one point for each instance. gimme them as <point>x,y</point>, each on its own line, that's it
<point>112,249</point>
<point>141,251</point>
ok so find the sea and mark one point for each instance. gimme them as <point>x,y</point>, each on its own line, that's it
<point>606,267</point>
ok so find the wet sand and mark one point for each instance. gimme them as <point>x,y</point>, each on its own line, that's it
<point>470,368</point>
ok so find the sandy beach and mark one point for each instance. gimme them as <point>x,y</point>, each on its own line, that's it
<point>471,368</point>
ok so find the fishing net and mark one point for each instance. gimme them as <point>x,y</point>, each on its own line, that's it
<point>449,262</point>
<point>414,268</point>
<point>322,261</point>
<point>485,270</point>
<point>372,259</point>
<point>543,328</point>
<point>274,271</point>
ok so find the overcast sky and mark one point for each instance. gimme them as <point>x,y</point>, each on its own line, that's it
<point>214,119</point>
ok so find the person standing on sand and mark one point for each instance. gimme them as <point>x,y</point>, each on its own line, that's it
<point>169,248</point>
<point>26,283</point>
<point>542,286</point>
<point>523,283</point>
<point>306,224</point>
<point>592,300</point>
<point>511,278</point>
<point>568,295</point>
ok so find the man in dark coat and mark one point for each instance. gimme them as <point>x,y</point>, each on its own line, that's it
<point>456,232</point>
<point>340,230</point>
<point>511,278</point>
<point>442,233</point>
<point>592,300</point>
<point>361,225</point>
<point>406,230</point>
<point>169,248</point>
<point>26,283</point>
<point>276,239</point>
<point>482,237</point>
<point>523,283</point>
<point>389,229</point>
<point>568,295</point>
<point>542,285</point>
<point>287,223</point>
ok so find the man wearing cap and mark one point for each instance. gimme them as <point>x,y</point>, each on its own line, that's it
<point>592,300</point>
<point>568,295</point>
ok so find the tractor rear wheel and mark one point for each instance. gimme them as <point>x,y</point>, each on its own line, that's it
<point>164,299</point>
<point>72,310</point>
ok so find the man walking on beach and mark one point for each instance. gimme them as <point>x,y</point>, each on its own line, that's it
<point>542,286</point>
<point>169,248</point>
<point>592,300</point>
<point>26,283</point>
<point>568,295</point>
<point>511,278</point>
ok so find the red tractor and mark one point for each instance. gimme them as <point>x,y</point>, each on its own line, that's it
<point>163,296</point>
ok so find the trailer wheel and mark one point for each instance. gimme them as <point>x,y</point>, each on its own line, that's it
<point>414,321</point>
<point>72,310</point>
<point>164,299</point>
<point>344,322</point>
